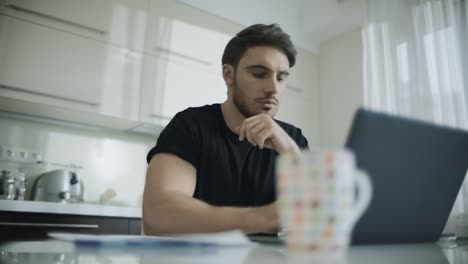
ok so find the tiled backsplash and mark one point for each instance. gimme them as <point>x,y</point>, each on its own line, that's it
<point>110,159</point>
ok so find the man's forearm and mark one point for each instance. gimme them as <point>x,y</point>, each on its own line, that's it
<point>294,148</point>
<point>178,213</point>
<point>290,147</point>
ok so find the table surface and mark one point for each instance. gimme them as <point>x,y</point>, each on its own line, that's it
<point>53,251</point>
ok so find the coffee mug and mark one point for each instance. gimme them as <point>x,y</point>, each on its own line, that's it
<point>317,199</point>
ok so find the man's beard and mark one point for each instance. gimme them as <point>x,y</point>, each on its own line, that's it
<point>241,101</point>
<point>238,100</point>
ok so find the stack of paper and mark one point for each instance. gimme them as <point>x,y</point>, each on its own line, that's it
<point>230,238</point>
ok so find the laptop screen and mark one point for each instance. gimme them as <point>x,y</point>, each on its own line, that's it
<point>416,169</point>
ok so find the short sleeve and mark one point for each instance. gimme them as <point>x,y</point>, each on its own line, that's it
<point>180,138</point>
<point>295,133</point>
<point>303,143</point>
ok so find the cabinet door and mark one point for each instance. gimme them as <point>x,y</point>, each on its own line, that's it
<point>44,61</point>
<point>120,22</point>
<point>292,107</point>
<point>24,226</point>
<point>174,84</point>
<point>184,70</point>
<point>134,226</point>
<point>181,30</point>
<point>52,67</point>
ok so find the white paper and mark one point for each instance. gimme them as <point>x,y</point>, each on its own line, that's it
<point>230,238</point>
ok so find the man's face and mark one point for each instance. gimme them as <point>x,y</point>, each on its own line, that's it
<point>259,80</point>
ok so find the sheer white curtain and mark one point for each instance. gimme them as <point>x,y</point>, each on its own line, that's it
<point>416,65</point>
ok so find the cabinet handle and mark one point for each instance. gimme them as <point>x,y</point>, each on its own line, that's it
<point>4,87</point>
<point>57,19</point>
<point>183,56</point>
<point>51,225</point>
<point>294,88</point>
<point>161,117</point>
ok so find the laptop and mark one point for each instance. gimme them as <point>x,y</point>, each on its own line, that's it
<point>416,169</point>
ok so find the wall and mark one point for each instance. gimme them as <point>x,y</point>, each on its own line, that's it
<point>341,86</point>
<point>110,159</point>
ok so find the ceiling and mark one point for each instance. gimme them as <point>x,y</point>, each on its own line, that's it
<point>309,22</point>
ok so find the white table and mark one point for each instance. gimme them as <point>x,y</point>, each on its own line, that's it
<point>53,251</point>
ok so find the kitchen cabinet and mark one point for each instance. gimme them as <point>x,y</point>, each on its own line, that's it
<point>33,219</point>
<point>28,225</point>
<point>124,63</point>
<point>300,100</point>
<point>32,61</point>
<point>291,107</point>
<point>118,22</point>
<point>184,69</point>
<point>57,63</point>
<point>78,61</point>
<point>53,68</point>
<point>172,85</point>
<point>183,31</point>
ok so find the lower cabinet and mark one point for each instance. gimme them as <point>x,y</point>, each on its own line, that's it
<point>33,226</point>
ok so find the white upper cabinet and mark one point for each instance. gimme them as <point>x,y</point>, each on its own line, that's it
<point>185,68</point>
<point>300,100</point>
<point>120,22</point>
<point>124,62</point>
<point>48,66</point>
<point>44,61</point>
<point>186,32</point>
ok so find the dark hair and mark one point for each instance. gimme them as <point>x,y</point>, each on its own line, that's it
<point>258,35</point>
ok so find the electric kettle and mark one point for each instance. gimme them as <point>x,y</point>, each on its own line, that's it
<point>58,186</point>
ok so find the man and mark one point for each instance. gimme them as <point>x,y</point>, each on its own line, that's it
<point>212,168</point>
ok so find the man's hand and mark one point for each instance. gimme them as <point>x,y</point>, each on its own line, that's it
<point>262,131</point>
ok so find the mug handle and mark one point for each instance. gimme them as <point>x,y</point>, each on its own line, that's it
<point>364,195</point>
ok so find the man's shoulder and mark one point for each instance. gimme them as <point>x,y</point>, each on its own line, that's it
<point>294,132</point>
<point>198,113</point>
<point>289,128</point>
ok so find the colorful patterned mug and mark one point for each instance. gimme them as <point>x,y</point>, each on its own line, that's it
<point>317,200</point>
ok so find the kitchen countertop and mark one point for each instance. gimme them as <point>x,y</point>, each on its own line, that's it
<point>69,208</point>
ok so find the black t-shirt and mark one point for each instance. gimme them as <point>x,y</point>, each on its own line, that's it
<point>229,172</point>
